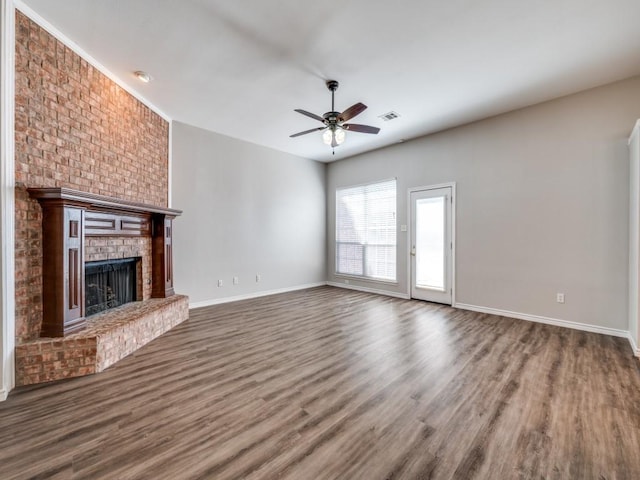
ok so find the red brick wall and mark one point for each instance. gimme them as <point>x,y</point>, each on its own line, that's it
<point>74,128</point>
<point>107,248</point>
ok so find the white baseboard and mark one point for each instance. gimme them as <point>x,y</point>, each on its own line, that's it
<point>463,306</point>
<point>248,296</point>
<point>549,321</point>
<point>634,346</point>
<point>369,290</point>
<point>3,395</point>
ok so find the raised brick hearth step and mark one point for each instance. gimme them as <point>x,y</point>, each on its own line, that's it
<point>108,337</point>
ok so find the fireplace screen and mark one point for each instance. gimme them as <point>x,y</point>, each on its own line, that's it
<point>109,284</point>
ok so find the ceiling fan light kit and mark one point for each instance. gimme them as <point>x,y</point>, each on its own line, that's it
<point>335,129</point>
<point>336,133</point>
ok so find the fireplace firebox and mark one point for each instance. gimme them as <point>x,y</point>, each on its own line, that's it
<point>109,284</point>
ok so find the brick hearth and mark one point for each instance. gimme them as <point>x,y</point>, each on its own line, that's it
<point>108,337</point>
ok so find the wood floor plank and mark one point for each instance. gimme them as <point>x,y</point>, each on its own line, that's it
<point>329,383</point>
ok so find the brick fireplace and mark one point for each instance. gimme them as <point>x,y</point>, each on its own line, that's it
<point>78,131</point>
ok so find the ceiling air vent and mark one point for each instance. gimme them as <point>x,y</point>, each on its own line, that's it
<point>389,116</point>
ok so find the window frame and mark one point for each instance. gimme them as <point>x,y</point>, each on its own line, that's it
<point>365,244</point>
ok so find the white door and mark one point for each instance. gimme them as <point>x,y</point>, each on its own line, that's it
<point>432,244</point>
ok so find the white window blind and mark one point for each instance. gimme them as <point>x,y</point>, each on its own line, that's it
<point>366,230</point>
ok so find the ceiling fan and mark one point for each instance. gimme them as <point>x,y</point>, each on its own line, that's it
<point>334,125</point>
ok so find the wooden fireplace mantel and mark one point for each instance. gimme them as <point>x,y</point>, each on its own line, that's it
<point>93,201</point>
<point>68,216</point>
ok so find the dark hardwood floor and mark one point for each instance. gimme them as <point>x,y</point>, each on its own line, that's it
<point>335,384</point>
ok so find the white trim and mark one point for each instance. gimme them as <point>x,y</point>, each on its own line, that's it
<point>404,296</point>
<point>432,187</point>
<point>7,186</point>
<point>634,347</point>
<point>360,278</point>
<point>546,320</point>
<point>249,296</point>
<point>170,166</point>
<point>454,202</point>
<point>633,249</point>
<point>33,15</point>
<point>634,131</point>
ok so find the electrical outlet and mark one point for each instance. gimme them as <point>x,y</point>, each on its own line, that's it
<point>560,297</point>
<point>258,277</point>
<point>219,283</point>
<point>235,280</point>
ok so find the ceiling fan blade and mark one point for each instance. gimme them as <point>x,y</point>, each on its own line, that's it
<point>351,112</point>
<point>309,114</point>
<point>307,131</point>
<point>354,127</point>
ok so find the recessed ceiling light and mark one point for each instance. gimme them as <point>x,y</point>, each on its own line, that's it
<point>142,76</point>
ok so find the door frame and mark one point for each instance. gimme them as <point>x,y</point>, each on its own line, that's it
<point>411,190</point>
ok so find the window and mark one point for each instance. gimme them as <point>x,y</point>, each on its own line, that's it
<point>366,231</point>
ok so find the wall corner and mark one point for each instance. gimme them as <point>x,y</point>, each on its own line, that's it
<point>7,184</point>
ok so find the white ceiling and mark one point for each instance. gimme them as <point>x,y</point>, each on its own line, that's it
<point>241,67</point>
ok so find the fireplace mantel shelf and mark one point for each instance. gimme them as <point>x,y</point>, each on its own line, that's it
<point>68,216</point>
<point>92,201</point>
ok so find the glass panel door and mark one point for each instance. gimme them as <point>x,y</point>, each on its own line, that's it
<point>431,245</point>
<point>430,237</point>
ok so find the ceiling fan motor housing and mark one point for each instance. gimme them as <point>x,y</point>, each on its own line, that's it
<point>332,85</point>
<point>331,118</point>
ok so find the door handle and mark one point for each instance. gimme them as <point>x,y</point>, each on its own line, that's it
<point>413,251</point>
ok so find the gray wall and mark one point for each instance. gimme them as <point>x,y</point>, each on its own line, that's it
<point>542,204</point>
<point>247,210</point>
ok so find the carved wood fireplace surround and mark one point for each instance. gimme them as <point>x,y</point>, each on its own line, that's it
<point>69,216</point>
